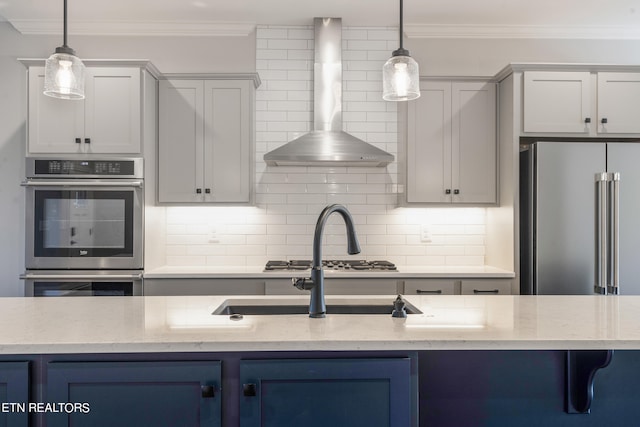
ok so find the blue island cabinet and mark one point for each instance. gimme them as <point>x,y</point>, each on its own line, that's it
<point>14,394</point>
<point>374,392</point>
<point>134,393</point>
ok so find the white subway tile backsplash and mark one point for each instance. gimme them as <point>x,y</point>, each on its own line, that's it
<point>305,75</point>
<point>186,260</point>
<point>329,188</point>
<point>366,106</point>
<point>287,44</point>
<point>306,198</point>
<point>289,199</point>
<point>272,54</point>
<point>346,199</point>
<point>271,96</point>
<point>300,54</point>
<point>347,178</point>
<point>287,85</point>
<point>354,55</point>
<point>300,33</point>
<point>353,96</point>
<point>271,33</point>
<point>366,45</point>
<point>225,260</point>
<point>354,34</point>
<point>389,34</point>
<point>273,75</point>
<point>300,116</point>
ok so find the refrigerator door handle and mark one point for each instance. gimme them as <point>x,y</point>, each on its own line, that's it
<point>614,287</point>
<point>602,182</point>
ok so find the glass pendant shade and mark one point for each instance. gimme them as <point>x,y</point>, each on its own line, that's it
<point>400,79</point>
<point>64,76</point>
<point>63,71</point>
<point>400,74</point>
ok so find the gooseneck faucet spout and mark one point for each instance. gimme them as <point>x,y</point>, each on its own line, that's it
<point>317,307</point>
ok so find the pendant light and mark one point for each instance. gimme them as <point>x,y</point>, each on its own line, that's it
<point>400,75</point>
<point>64,71</point>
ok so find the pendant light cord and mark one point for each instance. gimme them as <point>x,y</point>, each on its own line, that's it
<point>400,22</point>
<point>64,35</point>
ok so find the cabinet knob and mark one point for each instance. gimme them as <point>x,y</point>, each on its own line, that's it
<point>198,190</point>
<point>249,390</point>
<point>207,391</point>
<point>87,140</point>
<point>456,191</point>
<point>587,120</point>
<point>207,190</point>
<point>78,140</point>
<point>604,120</point>
<point>447,191</point>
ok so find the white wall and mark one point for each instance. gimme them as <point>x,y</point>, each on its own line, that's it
<point>485,57</point>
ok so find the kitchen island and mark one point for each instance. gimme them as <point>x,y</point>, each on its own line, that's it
<point>185,324</point>
<point>475,360</point>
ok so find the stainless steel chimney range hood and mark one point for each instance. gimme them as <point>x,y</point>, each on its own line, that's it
<point>327,144</point>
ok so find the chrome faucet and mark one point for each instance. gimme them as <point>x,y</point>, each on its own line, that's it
<point>315,284</point>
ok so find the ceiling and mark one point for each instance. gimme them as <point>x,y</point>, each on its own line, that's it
<point>423,18</point>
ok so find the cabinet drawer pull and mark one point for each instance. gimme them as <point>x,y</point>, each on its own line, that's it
<point>587,120</point>
<point>249,390</point>
<point>207,391</point>
<point>604,121</point>
<point>430,292</point>
<point>78,140</point>
<point>87,140</point>
<point>490,291</point>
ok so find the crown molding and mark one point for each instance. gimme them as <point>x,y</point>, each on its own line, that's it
<point>425,31</point>
<point>142,28</point>
<point>254,77</point>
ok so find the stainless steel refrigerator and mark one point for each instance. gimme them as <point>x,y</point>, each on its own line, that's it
<point>580,218</point>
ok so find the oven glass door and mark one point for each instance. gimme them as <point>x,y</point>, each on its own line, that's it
<point>82,289</point>
<point>84,227</point>
<point>82,283</point>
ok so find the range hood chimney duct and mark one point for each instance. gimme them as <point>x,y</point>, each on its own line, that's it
<point>327,144</point>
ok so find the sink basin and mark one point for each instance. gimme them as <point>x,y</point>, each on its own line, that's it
<point>275,307</point>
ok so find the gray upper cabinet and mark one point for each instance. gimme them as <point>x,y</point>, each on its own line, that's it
<point>451,144</point>
<point>108,120</point>
<point>581,102</point>
<point>206,140</point>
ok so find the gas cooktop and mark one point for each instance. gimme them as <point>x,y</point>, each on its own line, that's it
<point>340,265</point>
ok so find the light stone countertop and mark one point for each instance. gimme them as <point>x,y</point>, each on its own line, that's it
<point>184,324</point>
<point>404,272</point>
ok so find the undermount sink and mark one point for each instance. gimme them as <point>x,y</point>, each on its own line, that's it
<point>259,307</point>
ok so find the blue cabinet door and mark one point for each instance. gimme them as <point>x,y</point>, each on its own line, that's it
<point>14,394</point>
<point>121,393</point>
<point>328,392</point>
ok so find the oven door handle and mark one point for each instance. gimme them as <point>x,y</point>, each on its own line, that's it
<point>71,183</point>
<point>31,276</point>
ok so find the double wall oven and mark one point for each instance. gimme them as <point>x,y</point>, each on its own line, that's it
<point>84,226</point>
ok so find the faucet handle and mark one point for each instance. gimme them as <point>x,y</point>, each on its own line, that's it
<point>399,309</point>
<point>302,283</point>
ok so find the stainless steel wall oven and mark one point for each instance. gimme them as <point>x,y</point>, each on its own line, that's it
<point>84,214</point>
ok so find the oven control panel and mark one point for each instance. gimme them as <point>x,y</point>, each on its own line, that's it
<point>84,168</point>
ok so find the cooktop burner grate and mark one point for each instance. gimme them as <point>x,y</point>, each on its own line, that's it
<point>342,265</point>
